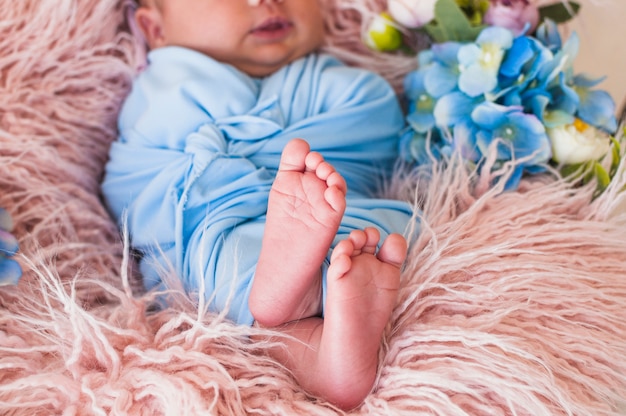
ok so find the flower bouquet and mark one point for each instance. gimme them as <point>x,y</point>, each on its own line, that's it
<point>498,76</point>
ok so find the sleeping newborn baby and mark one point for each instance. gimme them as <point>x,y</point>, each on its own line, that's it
<point>216,182</point>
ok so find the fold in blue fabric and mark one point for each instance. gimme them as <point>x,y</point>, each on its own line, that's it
<point>199,146</point>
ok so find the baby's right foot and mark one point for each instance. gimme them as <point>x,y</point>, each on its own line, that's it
<point>362,290</point>
<point>306,205</point>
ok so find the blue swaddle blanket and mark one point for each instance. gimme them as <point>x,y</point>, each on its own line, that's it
<point>200,143</point>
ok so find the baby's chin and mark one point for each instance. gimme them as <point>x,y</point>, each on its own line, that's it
<point>261,68</point>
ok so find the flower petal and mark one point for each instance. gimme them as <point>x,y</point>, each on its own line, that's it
<point>421,122</point>
<point>453,108</point>
<point>548,34</point>
<point>513,181</point>
<point>439,80</point>
<point>446,53</point>
<point>474,81</point>
<point>465,141</point>
<point>425,57</point>
<point>468,54</point>
<point>598,109</point>
<point>414,84</point>
<point>566,98</point>
<point>496,35</point>
<point>536,101</point>
<point>526,122</point>
<point>10,272</point>
<point>582,80</point>
<point>8,243</point>
<point>571,48</point>
<point>520,53</point>
<point>489,115</point>
<point>556,118</point>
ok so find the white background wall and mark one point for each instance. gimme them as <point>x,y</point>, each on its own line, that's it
<point>601,26</point>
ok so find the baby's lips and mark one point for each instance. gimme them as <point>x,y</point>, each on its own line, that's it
<point>272,24</point>
<point>8,243</point>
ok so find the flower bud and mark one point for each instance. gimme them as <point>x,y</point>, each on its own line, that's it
<point>513,15</point>
<point>412,13</point>
<point>382,35</point>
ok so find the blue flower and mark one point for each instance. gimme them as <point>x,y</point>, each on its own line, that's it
<point>480,61</point>
<point>596,107</point>
<point>455,108</point>
<point>562,96</point>
<point>551,96</point>
<point>522,134</point>
<point>548,34</point>
<point>437,75</point>
<point>442,73</point>
<point>542,104</point>
<point>10,271</point>
<point>519,136</point>
<point>520,68</point>
<point>423,148</point>
<point>562,62</point>
<point>421,103</point>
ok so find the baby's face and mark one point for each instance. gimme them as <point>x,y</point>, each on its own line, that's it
<point>257,39</point>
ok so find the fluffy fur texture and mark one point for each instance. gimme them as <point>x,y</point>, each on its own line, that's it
<point>512,304</point>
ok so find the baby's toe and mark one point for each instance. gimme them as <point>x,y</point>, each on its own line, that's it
<point>294,156</point>
<point>393,250</point>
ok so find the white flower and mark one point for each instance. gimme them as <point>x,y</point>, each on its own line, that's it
<point>412,13</point>
<point>578,143</point>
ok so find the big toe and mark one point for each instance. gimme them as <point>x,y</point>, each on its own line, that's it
<point>294,155</point>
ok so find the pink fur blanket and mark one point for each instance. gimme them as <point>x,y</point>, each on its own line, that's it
<point>512,304</point>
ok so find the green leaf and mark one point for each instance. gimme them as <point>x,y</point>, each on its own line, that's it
<point>559,12</point>
<point>451,24</point>
<point>616,156</point>
<point>568,171</point>
<point>602,177</point>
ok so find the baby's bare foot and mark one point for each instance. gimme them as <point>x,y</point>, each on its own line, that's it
<point>362,290</point>
<point>306,204</point>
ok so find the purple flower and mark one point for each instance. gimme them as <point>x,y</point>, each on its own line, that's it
<point>518,16</point>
